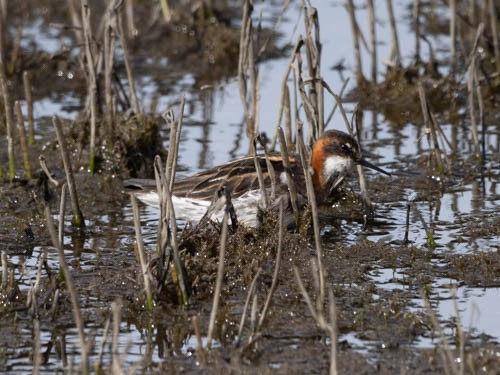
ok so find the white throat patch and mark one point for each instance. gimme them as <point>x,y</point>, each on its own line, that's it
<point>335,165</point>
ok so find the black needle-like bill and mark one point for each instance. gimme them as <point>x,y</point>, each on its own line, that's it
<point>367,164</point>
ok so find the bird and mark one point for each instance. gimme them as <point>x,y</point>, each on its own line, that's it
<point>333,155</point>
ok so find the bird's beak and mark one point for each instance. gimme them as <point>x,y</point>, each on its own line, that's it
<point>367,164</point>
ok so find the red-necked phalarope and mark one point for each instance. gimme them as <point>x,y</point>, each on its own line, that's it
<point>333,155</point>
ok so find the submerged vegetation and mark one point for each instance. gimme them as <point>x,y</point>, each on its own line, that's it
<point>214,296</point>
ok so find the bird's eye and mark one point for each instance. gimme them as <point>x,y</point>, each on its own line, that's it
<point>346,147</point>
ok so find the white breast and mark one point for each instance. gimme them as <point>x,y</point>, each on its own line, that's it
<point>335,165</point>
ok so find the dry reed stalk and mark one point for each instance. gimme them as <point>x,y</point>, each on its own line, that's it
<point>199,343</point>
<point>313,56</point>
<point>251,291</point>
<point>98,368</point>
<point>91,81</point>
<point>494,32</point>
<point>311,195</point>
<point>416,26</point>
<point>355,36</point>
<point>218,283</point>
<point>287,109</point>
<point>68,279</point>
<point>460,337</point>
<point>317,311</point>
<point>284,88</point>
<point>395,55</point>
<point>361,175</point>
<point>129,15</point>
<point>431,128</point>
<point>270,169</point>
<point>116,366</point>
<point>29,107</point>
<point>37,355</point>
<point>174,141</point>
<point>165,9</point>
<point>480,103</point>
<point>444,350</point>
<point>341,93</point>
<point>76,21</point>
<point>142,253</point>
<point>247,69</point>
<point>22,139</point>
<point>292,189</point>
<point>5,271</point>
<point>453,37</point>
<point>8,116</point>
<point>373,39</point>
<point>62,211</point>
<point>165,182</point>
<point>274,282</point>
<point>472,86</point>
<point>77,220</point>
<point>109,56</point>
<point>128,67</point>
<point>260,175</point>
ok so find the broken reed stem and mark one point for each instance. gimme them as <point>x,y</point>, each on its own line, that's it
<point>277,265</point>
<point>142,253</point>
<point>128,67</point>
<point>91,82</point>
<point>218,283</point>
<point>250,294</point>
<point>68,279</point>
<point>78,219</point>
<point>22,139</point>
<point>395,56</point>
<point>430,126</point>
<point>29,107</point>
<point>8,118</point>
<point>199,343</point>
<point>373,40</point>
